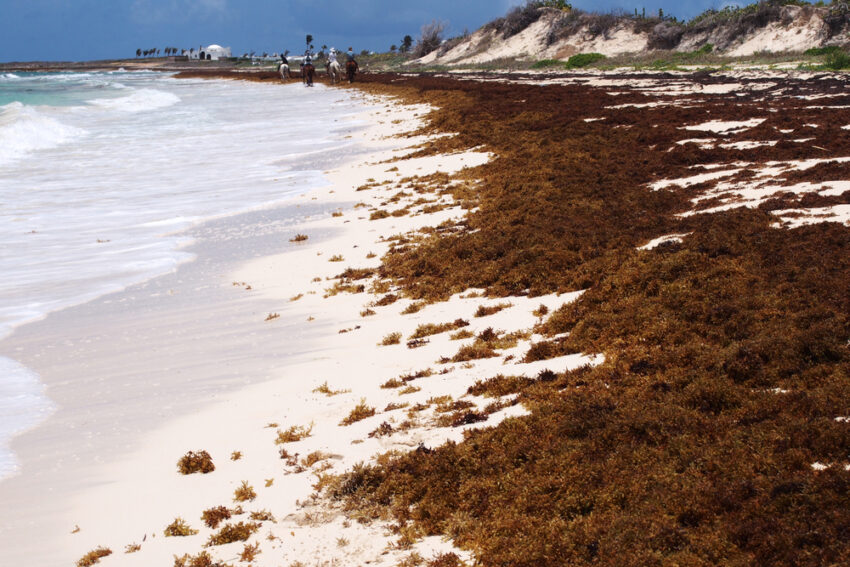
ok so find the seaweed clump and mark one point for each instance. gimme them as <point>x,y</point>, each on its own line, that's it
<point>231,533</point>
<point>179,528</point>
<point>192,462</point>
<point>202,559</point>
<point>93,557</point>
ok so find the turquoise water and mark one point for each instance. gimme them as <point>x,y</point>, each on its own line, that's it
<point>56,89</point>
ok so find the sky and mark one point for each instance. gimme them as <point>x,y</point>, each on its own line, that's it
<point>84,30</point>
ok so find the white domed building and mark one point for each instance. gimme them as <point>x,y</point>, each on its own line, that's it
<point>210,53</point>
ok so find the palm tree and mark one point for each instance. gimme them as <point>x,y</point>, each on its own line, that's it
<point>138,52</point>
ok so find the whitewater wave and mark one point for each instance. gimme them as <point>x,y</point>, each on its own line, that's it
<point>141,100</point>
<point>23,129</point>
<point>10,77</point>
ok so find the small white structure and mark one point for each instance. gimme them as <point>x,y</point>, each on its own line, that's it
<point>210,53</point>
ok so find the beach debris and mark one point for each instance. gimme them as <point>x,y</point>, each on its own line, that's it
<point>360,412</point>
<point>391,339</point>
<point>326,390</point>
<point>212,517</point>
<point>486,310</point>
<point>202,559</point>
<point>233,532</point>
<point>249,552</point>
<point>195,462</point>
<point>244,493</point>
<point>262,515</point>
<point>179,528</point>
<point>293,434</point>
<point>93,557</point>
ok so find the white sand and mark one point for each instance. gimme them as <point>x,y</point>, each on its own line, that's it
<point>730,127</point>
<point>656,242</point>
<point>807,30</point>
<point>189,362</point>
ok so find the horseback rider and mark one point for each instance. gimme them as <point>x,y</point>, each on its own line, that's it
<point>351,65</point>
<point>283,66</point>
<point>307,68</point>
<point>332,56</point>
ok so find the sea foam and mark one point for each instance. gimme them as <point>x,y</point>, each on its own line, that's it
<point>23,129</point>
<point>22,405</point>
<point>139,101</point>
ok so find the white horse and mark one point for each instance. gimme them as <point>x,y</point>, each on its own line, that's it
<point>334,72</point>
<point>283,69</point>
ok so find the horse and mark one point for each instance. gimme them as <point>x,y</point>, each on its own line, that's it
<point>334,72</point>
<point>351,69</point>
<point>283,69</point>
<point>307,72</point>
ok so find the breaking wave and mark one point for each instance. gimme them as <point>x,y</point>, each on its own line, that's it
<point>139,101</point>
<point>23,129</point>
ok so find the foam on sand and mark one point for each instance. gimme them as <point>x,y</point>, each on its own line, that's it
<point>22,405</point>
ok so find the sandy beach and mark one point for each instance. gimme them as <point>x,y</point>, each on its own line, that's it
<point>189,361</point>
<point>287,354</point>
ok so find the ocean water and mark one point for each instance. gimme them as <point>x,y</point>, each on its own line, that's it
<point>99,173</point>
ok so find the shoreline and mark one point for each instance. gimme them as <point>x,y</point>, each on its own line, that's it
<point>125,326</point>
<point>157,238</point>
<point>33,340</point>
<point>107,387</point>
<point>383,378</point>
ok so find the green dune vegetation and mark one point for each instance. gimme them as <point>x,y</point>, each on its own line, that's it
<point>726,354</point>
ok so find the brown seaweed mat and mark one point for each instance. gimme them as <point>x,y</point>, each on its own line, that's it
<point>727,366</point>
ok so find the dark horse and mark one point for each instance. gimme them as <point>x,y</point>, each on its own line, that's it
<point>351,70</point>
<point>307,72</point>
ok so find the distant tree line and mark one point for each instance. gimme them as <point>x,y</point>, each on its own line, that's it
<point>156,52</point>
